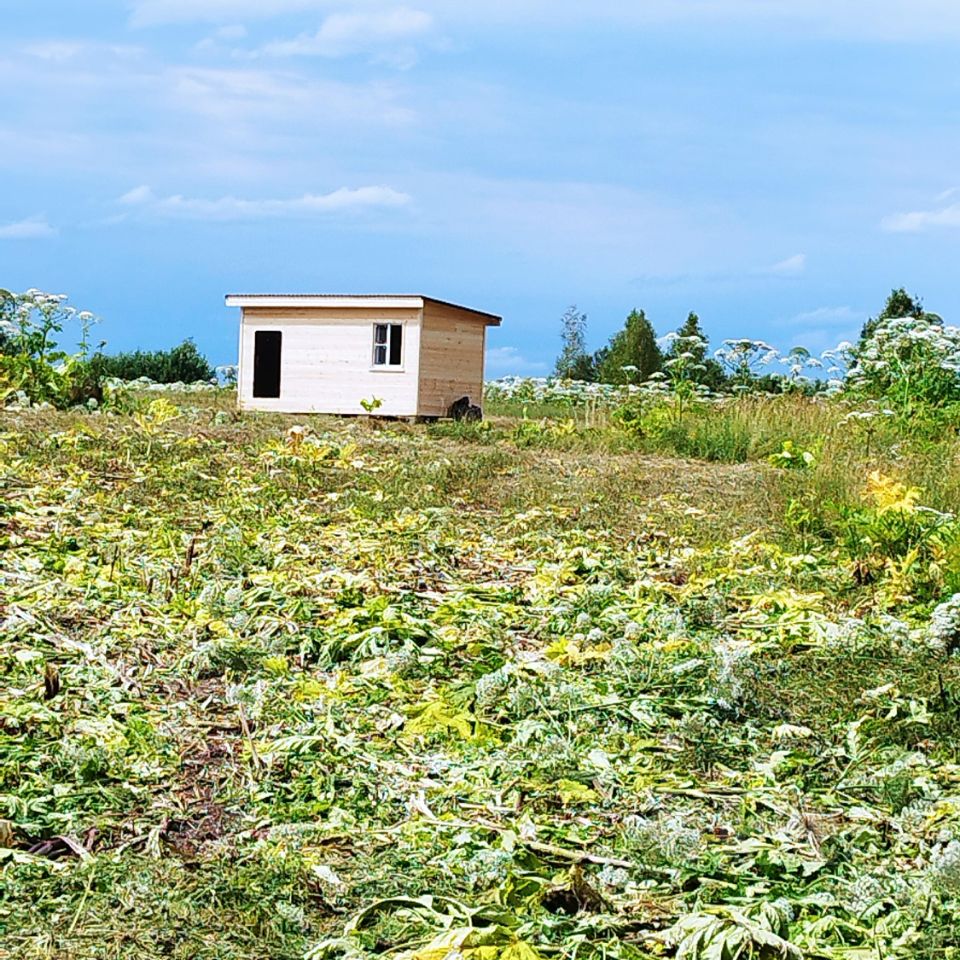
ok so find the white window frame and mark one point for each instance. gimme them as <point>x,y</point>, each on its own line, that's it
<point>387,366</point>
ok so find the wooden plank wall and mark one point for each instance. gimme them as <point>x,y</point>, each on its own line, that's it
<point>451,359</point>
<point>326,360</point>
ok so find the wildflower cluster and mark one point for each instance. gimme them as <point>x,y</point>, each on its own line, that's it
<point>555,390</point>
<point>910,361</point>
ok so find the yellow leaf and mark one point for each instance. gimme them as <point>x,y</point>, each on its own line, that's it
<point>572,793</point>
<point>438,717</point>
<point>889,495</point>
<point>519,951</point>
<point>469,943</point>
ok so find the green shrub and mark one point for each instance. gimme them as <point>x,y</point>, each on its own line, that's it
<point>631,414</point>
<point>792,457</point>
<point>886,534</point>
<point>182,364</point>
<point>893,525</point>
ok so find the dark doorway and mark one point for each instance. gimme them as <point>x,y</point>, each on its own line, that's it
<point>266,363</point>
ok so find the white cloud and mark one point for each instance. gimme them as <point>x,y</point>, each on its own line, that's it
<point>791,267</point>
<point>236,208</point>
<point>841,316</point>
<point>342,34</point>
<point>33,228</point>
<point>148,13</point>
<point>824,327</point>
<point>56,50</point>
<point>235,31</point>
<point>919,220</point>
<point>239,97</point>
<point>506,361</point>
<point>228,34</point>
<point>137,196</point>
<point>252,128</point>
<point>888,20</point>
<point>577,234</point>
<point>734,272</point>
<point>99,55</point>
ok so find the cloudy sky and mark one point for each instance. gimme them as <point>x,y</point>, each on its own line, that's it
<point>776,166</point>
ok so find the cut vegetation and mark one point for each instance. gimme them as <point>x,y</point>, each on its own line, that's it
<point>623,671</point>
<point>284,689</point>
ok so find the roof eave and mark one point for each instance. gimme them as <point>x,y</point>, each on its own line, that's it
<point>383,301</point>
<point>316,300</point>
<point>490,319</point>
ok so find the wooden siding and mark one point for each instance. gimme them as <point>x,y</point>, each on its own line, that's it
<point>451,359</point>
<point>326,361</point>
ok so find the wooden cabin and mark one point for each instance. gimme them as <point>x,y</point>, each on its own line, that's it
<point>328,354</point>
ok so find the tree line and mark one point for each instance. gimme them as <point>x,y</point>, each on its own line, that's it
<point>634,353</point>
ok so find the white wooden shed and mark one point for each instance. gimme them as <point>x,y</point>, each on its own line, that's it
<point>325,353</point>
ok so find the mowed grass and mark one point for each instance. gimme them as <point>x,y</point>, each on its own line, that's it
<point>256,682</point>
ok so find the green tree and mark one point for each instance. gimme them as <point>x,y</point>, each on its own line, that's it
<point>632,354</point>
<point>574,363</point>
<point>691,339</point>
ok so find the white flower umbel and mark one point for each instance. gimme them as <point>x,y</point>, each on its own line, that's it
<point>943,871</point>
<point>910,358</point>
<point>943,631</point>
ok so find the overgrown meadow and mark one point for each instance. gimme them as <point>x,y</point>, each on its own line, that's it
<point>612,674</point>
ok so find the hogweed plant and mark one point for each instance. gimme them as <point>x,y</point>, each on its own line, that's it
<point>682,369</point>
<point>744,358</point>
<point>910,362</point>
<point>33,366</point>
<point>799,362</point>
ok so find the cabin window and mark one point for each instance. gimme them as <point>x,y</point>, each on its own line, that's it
<point>388,344</point>
<point>266,363</point>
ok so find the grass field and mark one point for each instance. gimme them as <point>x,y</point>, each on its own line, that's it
<point>277,687</point>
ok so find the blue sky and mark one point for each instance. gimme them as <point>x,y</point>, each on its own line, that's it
<point>776,166</point>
